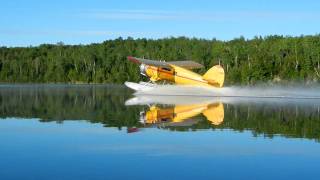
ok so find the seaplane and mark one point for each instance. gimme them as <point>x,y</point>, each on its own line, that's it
<point>176,72</point>
<point>183,112</point>
<point>182,115</point>
<point>163,111</point>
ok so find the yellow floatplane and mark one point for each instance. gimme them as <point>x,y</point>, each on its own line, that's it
<point>179,72</point>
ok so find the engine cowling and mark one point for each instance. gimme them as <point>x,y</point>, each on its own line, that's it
<point>143,69</point>
<point>150,72</point>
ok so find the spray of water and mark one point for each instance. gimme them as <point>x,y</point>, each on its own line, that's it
<point>235,91</point>
<point>174,94</point>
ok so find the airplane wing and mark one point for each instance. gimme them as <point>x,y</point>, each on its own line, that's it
<point>148,62</point>
<point>183,64</point>
<point>186,64</point>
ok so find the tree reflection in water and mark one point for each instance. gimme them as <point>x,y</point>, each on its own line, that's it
<point>105,104</point>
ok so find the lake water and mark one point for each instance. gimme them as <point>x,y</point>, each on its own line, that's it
<point>104,132</point>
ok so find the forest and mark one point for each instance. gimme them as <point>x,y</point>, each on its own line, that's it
<point>270,59</point>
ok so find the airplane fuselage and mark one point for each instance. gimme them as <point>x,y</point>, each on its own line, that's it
<point>178,72</point>
<point>176,75</point>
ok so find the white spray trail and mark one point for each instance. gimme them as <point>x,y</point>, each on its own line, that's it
<point>175,94</point>
<point>235,91</point>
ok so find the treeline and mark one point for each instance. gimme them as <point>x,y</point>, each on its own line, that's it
<point>271,59</point>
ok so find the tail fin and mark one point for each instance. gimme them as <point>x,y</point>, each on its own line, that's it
<point>214,113</point>
<point>215,76</point>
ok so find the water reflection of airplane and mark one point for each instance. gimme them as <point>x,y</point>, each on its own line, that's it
<point>180,112</point>
<point>180,115</point>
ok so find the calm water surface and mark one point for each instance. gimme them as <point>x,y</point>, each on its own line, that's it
<point>88,132</point>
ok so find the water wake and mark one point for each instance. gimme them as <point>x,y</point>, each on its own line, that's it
<point>234,91</point>
<point>175,94</point>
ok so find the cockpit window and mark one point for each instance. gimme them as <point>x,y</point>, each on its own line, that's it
<point>166,69</point>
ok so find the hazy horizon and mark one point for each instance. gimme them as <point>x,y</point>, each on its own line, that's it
<point>137,38</point>
<point>33,23</point>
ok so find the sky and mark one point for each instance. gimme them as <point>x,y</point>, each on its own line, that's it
<point>34,22</point>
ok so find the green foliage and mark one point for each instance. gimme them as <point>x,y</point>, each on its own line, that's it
<point>273,58</point>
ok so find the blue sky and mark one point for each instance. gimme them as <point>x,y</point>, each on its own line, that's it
<point>34,22</point>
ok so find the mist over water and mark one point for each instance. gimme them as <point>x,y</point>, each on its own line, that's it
<point>272,91</point>
<point>236,91</point>
<point>260,94</point>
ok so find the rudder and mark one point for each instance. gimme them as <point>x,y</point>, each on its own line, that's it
<point>215,76</point>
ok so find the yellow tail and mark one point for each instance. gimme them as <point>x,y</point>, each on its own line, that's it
<point>215,76</point>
